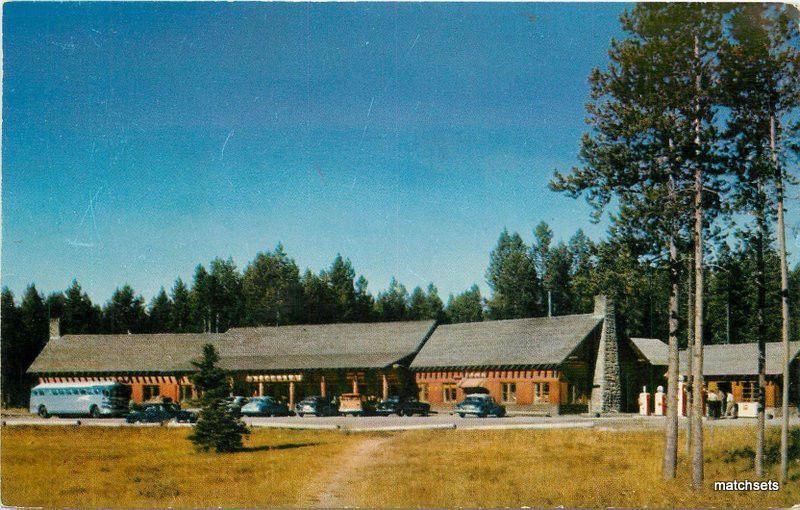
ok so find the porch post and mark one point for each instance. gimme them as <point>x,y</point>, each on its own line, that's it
<point>355,384</point>
<point>291,394</point>
<point>322,386</point>
<point>261,389</point>
<point>385,382</point>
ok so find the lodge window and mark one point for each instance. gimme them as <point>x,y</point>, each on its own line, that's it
<point>423,392</point>
<point>750,391</point>
<point>185,392</point>
<point>509,392</point>
<point>449,392</point>
<point>150,391</point>
<point>541,392</point>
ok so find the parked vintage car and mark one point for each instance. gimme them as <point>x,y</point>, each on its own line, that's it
<point>355,404</point>
<point>236,403</point>
<point>265,406</point>
<point>403,406</point>
<point>157,413</point>
<point>316,405</point>
<point>480,405</point>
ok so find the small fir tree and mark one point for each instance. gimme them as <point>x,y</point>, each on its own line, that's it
<point>216,427</point>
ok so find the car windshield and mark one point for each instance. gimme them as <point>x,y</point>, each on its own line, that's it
<point>473,401</point>
<point>393,399</point>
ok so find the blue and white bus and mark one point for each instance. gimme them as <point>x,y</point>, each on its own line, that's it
<point>95,399</point>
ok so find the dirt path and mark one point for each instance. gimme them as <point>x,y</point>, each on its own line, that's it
<point>332,492</point>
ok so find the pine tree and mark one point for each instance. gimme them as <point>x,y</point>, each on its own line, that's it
<point>418,305</point>
<point>512,277</point>
<point>125,313</point>
<point>180,320</point>
<point>465,307</point>
<point>79,314</point>
<point>226,296</point>
<point>364,306</point>
<point>160,313</point>
<point>653,149</point>
<point>9,348</point>
<point>392,304</point>
<point>340,278</point>
<point>319,298</point>
<point>761,63</point>
<point>217,428</point>
<point>434,305</point>
<point>200,300</point>
<point>272,290</point>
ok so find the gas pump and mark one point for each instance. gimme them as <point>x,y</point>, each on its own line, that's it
<point>660,402</point>
<point>644,402</point>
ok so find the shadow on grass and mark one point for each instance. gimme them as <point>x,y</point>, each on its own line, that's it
<point>284,446</point>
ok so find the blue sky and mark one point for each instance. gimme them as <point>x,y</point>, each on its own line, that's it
<point>141,139</point>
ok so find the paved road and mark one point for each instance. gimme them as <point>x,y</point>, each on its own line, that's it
<point>443,421</point>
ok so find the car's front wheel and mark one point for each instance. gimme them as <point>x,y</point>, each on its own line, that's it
<point>94,412</point>
<point>461,414</point>
<point>43,412</point>
<point>300,414</point>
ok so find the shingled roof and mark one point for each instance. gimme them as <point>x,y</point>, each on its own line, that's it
<point>516,342</point>
<point>365,345</point>
<point>653,349</point>
<point>741,359</point>
<point>324,346</point>
<point>121,353</point>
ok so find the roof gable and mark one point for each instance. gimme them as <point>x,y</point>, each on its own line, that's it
<point>653,349</point>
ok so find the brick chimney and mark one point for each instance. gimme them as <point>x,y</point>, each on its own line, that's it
<point>606,387</point>
<point>55,328</point>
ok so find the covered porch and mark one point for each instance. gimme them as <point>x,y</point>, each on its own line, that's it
<point>293,386</point>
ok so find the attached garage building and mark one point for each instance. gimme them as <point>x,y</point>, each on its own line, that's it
<point>734,368</point>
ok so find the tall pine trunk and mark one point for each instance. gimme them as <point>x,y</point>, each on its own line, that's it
<point>697,368</point>
<point>761,326</point>
<point>671,427</point>
<point>689,355</point>
<point>784,476</point>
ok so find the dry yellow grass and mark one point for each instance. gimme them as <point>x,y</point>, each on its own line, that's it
<point>549,468</point>
<point>145,467</point>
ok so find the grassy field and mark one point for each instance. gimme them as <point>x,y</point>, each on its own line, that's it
<point>550,468</point>
<point>144,467</point>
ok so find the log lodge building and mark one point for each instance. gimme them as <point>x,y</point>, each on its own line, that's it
<point>548,365</point>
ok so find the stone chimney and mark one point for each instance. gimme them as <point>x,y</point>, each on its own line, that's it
<point>55,328</point>
<point>600,305</point>
<point>606,387</point>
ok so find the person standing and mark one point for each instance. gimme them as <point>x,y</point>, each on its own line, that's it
<point>720,403</point>
<point>731,405</point>
<point>711,400</point>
